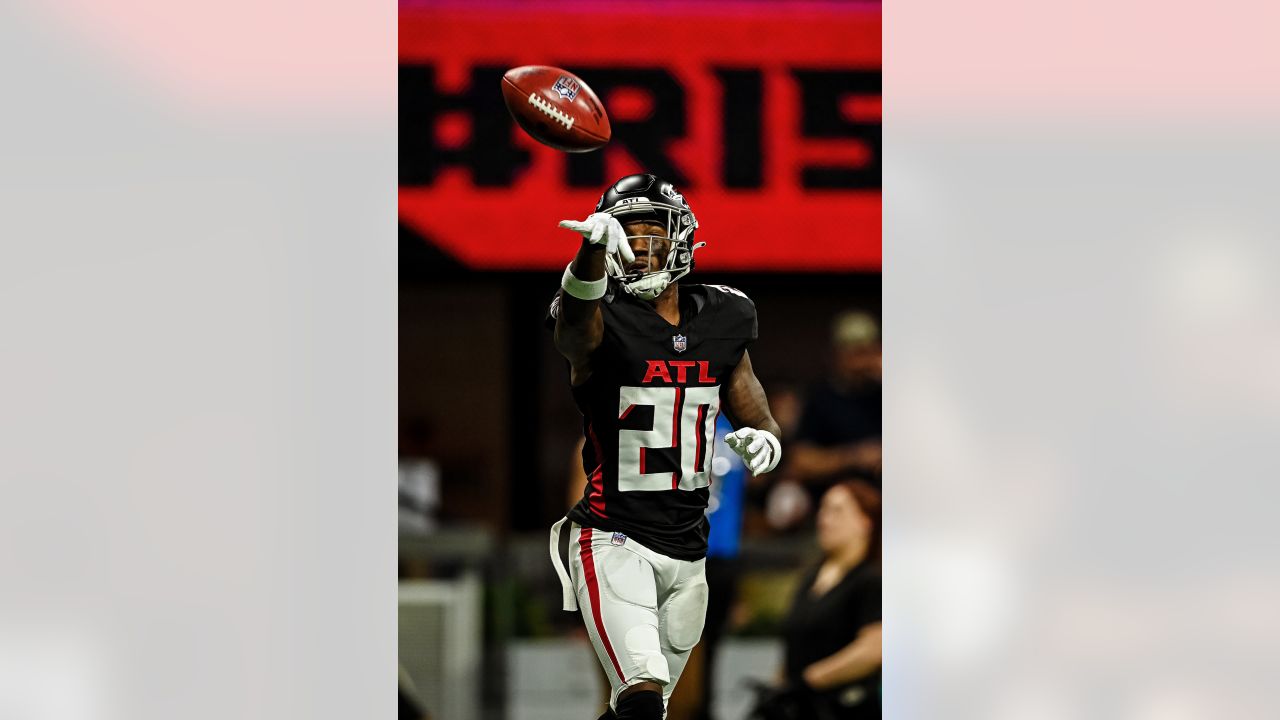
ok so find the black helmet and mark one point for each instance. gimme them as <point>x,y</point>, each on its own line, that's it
<point>650,198</point>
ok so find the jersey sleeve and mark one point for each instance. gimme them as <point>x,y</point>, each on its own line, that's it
<point>739,310</point>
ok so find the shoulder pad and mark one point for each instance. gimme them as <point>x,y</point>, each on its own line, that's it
<point>730,291</point>
<point>736,310</point>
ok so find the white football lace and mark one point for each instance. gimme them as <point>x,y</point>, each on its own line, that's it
<point>552,110</point>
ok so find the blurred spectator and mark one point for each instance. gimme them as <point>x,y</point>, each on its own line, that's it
<point>832,632</point>
<point>787,505</point>
<point>786,402</point>
<point>774,501</point>
<point>419,479</point>
<point>839,430</point>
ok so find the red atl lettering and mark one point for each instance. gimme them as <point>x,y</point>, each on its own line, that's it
<point>703,377</point>
<point>657,368</point>
<point>661,370</point>
<point>681,366</point>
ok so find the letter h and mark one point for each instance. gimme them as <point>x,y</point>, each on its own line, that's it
<point>487,151</point>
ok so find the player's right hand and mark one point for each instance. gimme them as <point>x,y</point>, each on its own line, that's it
<point>759,449</point>
<point>603,229</point>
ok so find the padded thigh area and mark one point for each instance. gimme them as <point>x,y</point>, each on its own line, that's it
<point>629,578</point>
<point>685,613</point>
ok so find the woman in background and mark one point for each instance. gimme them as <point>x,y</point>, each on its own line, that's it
<point>832,633</point>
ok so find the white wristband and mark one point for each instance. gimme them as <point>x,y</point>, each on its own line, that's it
<point>582,289</point>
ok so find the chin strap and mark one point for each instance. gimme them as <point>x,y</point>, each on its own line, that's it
<point>650,286</point>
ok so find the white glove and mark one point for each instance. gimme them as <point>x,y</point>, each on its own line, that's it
<point>603,229</point>
<point>759,449</point>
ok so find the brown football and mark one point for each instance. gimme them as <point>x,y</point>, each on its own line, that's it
<point>556,108</point>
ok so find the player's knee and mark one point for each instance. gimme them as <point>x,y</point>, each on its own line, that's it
<point>644,647</point>
<point>642,701</point>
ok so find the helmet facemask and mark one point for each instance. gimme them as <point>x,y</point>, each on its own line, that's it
<point>680,225</point>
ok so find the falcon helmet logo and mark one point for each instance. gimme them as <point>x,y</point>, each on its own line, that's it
<point>670,191</point>
<point>679,343</point>
<point>566,87</point>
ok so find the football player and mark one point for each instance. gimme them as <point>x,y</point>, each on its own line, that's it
<point>652,362</point>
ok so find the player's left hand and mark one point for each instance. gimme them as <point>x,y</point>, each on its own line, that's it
<point>759,449</point>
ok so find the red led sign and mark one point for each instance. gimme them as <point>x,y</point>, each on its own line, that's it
<point>766,117</point>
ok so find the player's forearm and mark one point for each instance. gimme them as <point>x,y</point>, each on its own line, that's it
<point>580,325</point>
<point>748,405</point>
<point>752,413</point>
<point>855,661</point>
<point>576,340</point>
<point>588,266</point>
<point>766,422</point>
<point>756,437</point>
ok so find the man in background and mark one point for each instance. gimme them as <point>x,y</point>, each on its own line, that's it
<point>840,427</point>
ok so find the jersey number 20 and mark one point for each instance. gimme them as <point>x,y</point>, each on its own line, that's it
<point>684,419</point>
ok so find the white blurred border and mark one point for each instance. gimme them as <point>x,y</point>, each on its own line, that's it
<point>197,326</point>
<point>1080,353</point>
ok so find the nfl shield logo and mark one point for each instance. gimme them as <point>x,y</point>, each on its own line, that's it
<point>619,539</point>
<point>679,342</point>
<point>566,87</point>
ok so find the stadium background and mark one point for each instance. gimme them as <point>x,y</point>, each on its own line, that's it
<point>767,117</point>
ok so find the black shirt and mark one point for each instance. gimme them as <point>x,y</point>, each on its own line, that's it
<point>649,414</point>
<point>819,627</point>
<point>839,416</point>
<point>836,416</point>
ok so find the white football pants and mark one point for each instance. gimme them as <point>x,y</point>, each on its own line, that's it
<point>643,610</point>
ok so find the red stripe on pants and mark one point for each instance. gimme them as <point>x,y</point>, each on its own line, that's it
<point>593,589</point>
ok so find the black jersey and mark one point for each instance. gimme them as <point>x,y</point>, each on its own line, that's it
<point>649,414</point>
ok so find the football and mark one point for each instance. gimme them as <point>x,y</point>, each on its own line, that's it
<point>555,108</point>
